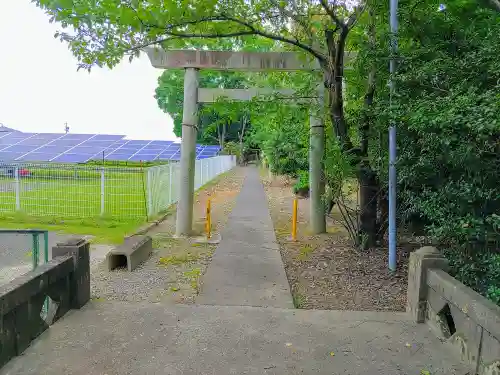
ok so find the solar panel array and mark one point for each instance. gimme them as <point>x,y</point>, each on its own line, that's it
<point>80,148</point>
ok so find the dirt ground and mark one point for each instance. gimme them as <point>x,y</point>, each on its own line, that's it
<point>324,271</point>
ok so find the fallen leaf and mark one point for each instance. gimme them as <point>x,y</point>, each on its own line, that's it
<point>288,344</point>
<point>424,372</point>
<point>332,354</point>
<point>408,345</point>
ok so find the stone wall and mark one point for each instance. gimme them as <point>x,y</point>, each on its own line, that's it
<point>458,315</point>
<point>24,315</point>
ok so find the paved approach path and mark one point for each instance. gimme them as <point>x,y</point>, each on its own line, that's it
<point>264,335</point>
<point>247,269</point>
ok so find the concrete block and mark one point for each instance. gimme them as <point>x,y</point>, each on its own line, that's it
<point>478,308</point>
<point>21,302</point>
<point>131,253</point>
<point>79,249</point>
<point>7,338</point>
<point>420,261</point>
<point>467,337</point>
<point>489,361</point>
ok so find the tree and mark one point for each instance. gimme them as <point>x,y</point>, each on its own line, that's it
<point>446,110</point>
<point>106,31</point>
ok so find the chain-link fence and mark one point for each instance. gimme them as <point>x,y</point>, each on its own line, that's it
<point>89,191</point>
<point>163,181</point>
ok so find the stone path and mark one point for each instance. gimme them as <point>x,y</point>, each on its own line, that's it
<point>243,323</point>
<point>246,269</point>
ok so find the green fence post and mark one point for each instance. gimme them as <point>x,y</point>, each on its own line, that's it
<point>46,247</point>
<point>35,253</point>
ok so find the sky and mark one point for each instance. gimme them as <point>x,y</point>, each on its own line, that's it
<point>40,89</point>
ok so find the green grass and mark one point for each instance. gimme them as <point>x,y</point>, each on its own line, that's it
<point>104,230</point>
<point>77,193</point>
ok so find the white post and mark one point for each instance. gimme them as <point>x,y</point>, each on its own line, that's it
<point>184,221</point>
<point>202,164</point>
<point>102,191</point>
<point>170,183</point>
<point>150,195</point>
<point>18,189</point>
<point>207,175</point>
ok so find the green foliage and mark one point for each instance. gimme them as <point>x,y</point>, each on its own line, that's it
<point>480,271</point>
<point>446,110</point>
<point>302,183</point>
<point>232,148</point>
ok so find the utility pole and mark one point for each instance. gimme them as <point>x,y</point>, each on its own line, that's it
<point>392,137</point>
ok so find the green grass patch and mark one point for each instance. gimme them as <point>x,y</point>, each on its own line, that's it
<point>299,300</point>
<point>178,259</point>
<point>305,251</point>
<point>194,278</point>
<point>104,230</point>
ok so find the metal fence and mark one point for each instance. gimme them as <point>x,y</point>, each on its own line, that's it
<point>163,181</point>
<point>88,191</point>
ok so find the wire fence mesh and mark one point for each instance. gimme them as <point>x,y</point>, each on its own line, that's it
<point>163,181</point>
<point>61,190</point>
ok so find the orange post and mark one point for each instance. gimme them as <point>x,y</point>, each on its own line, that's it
<point>294,220</point>
<point>209,219</point>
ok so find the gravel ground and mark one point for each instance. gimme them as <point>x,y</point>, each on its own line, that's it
<point>174,271</point>
<point>324,271</point>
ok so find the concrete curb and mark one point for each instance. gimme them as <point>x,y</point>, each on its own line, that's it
<point>149,226</point>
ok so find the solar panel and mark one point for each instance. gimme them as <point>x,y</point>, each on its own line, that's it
<point>142,157</point>
<point>71,158</point>
<point>34,141</point>
<point>79,148</point>
<point>78,137</point>
<point>108,137</point>
<point>20,148</point>
<point>9,156</point>
<point>38,156</point>
<point>161,143</point>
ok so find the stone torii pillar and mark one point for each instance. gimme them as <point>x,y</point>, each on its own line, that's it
<point>184,218</point>
<point>191,61</point>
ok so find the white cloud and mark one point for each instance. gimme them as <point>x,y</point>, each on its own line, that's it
<point>40,88</point>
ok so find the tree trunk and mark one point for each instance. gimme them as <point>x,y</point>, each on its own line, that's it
<point>368,192</point>
<point>241,135</point>
<point>382,217</point>
<point>221,133</point>
<point>367,178</point>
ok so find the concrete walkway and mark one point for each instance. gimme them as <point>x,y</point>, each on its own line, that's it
<point>247,269</point>
<point>145,339</point>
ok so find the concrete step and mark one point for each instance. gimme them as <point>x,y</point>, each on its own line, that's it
<point>124,338</point>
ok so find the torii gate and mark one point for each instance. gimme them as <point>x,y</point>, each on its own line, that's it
<point>192,61</point>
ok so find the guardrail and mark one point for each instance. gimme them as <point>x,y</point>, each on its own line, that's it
<point>35,253</point>
<point>65,280</point>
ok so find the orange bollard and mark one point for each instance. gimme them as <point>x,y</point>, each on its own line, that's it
<point>294,220</point>
<point>209,219</point>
